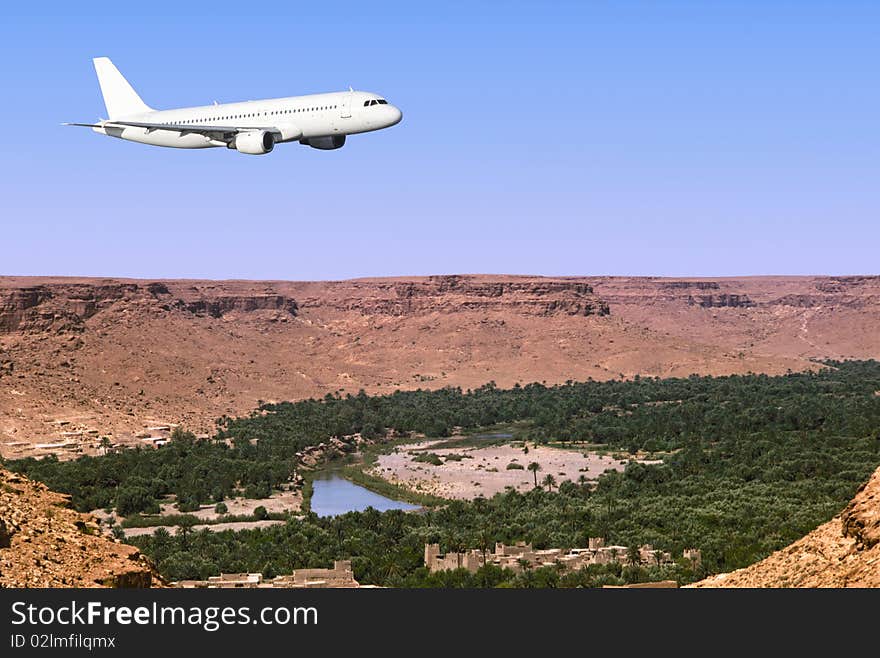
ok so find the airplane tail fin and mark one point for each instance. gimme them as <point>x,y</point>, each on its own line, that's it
<point>119,97</point>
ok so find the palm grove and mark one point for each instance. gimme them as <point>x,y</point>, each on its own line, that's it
<point>749,463</point>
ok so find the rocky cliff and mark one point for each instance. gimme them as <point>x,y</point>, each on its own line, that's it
<point>43,543</point>
<point>805,318</point>
<point>845,552</point>
<point>857,292</point>
<point>453,294</point>
<point>66,306</point>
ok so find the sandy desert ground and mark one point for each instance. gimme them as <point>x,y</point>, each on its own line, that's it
<point>483,471</point>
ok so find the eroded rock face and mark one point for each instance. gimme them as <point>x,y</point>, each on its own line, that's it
<point>59,307</point>
<point>457,294</point>
<point>719,301</point>
<point>854,292</point>
<point>860,520</point>
<point>217,308</point>
<point>43,543</point>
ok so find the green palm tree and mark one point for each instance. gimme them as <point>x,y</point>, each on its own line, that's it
<point>549,481</point>
<point>633,556</point>
<point>534,467</point>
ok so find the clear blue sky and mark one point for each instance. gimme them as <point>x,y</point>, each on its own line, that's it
<point>559,138</point>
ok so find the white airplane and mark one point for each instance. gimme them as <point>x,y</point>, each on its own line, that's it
<point>321,121</point>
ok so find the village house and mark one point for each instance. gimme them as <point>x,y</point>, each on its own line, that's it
<point>338,577</point>
<point>522,556</point>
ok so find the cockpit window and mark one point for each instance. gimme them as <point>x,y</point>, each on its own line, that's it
<point>382,101</point>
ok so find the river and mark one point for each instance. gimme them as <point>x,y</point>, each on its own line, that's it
<point>334,495</point>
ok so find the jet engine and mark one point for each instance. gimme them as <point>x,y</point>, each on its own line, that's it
<point>325,143</point>
<point>254,142</point>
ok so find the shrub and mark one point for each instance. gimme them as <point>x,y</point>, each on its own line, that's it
<point>429,458</point>
<point>187,504</point>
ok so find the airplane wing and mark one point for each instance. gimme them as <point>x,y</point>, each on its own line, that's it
<point>219,133</point>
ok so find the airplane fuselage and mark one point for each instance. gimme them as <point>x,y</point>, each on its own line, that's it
<point>295,118</point>
<point>321,121</point>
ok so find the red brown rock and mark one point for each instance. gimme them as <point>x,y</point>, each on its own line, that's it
<point>43,543</point>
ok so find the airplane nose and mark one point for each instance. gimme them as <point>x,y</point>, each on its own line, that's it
<point>396,115</point>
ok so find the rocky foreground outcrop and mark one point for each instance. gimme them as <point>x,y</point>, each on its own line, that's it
<point>43,543</point>
<point>845,552</point>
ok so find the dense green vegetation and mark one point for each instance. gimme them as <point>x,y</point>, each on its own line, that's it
<point>194,471</point>
<point>750,463</point>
